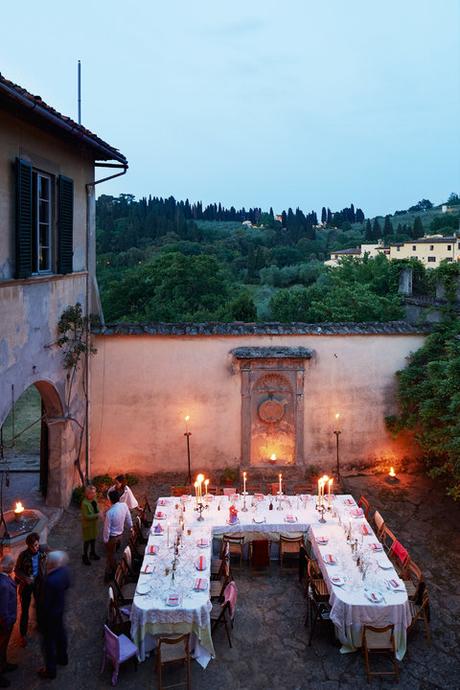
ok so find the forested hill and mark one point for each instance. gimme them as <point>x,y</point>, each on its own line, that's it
<point>168,260</point>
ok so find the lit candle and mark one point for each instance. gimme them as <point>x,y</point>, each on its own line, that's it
<point>186,418</point>
<point>319,492</point>
<point>244,482</point>
<point>196,491</point>
<point>206,484</point>
<point>281,483</point>
<point>200,480</point>
<point>392,472</point>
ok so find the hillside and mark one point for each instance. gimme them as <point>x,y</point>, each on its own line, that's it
<point>160,259</point>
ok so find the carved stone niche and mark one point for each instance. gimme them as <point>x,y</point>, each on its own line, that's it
<point>272,406</point>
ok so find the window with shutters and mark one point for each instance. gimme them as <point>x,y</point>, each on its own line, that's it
<point>44,242</point>
<point>42,230</point>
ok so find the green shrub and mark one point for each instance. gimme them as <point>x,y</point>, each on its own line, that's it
<point>77,495</point>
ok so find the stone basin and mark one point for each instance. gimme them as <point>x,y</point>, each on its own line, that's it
<point>19,527</point>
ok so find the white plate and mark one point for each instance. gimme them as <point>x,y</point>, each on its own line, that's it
<point>322,541</point>
<point>384,564</point>
<point>202,546</point>
<point>143,588</point>
<point>337,580</point>
<point>378,597</point>
<point>170,603</point>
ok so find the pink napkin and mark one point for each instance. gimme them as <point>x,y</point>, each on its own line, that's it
<point>161,502</point>
<point>373,596</point>
<point>173,600</point>
<point>330,558</point>
<point>357,512</point>
<point>376,546</point>
<point>158,529</point>
<point>259,497</point>
<point>394,583</point>
<point>291,518</point>
<point>200,563</point>
<point>200,584</point>
<point>365,530</point>
<point>152,550</point>
<point>159,515</point>
<point>349,502</point>
<point>322,540</point>
<point>147,569</point>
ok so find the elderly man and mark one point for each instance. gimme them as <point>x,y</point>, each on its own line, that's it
<point>116,518</point>
<point>51,613</point>
<point>8,612</point>
<point>29,572</point>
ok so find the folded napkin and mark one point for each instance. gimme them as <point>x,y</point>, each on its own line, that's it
<point>259,497</point>
<point>357,512</point>
<point>396,586</point>
<point>322,540</point>
<point>159,515</point>
<point>349,502</point>
<point>152,550</point>
<point>161,502</point>
<point>375,546</point>
<point>173,600</point>
<point>291,518</point>
<point>329,558</point>
<point>158,529</point>
<point>147,569</point>
<point>201,585</point>
<point>365,530</point>
<point>202,542</point>
<point>200,563</point>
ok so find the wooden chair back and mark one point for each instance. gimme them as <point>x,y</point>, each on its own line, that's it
<point>379,523</point>
<point>379,640</point>
<point>364,504</point>
<point>388,538</point>
<point>173,650</point>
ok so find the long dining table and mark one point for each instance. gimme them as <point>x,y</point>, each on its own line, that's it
<point>172,593</point>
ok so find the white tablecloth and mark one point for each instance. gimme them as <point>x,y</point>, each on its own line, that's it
<point>151,616</point>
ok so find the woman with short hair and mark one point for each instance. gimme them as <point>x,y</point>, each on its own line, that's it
<point>89,517</point>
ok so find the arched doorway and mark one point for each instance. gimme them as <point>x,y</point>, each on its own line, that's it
<point>32,432</point>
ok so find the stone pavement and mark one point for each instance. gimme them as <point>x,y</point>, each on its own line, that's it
<point>269,640</point>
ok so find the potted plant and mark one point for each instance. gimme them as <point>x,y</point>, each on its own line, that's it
<point>229,477</point>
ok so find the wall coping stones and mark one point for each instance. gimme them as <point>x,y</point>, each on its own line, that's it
<point>271,353</point>
<point>238,328</point>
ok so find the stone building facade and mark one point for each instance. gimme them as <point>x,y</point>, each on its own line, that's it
<point>47,263</point>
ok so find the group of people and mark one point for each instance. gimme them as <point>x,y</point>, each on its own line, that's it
<point>43,575</point>
<point>117,518</point>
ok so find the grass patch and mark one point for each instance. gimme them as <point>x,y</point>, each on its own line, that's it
<point>27,410</point>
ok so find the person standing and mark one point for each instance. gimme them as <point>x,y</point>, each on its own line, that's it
<point>51,613</point>
<point>8,613</point>
<point>116,519</point>
<point>29,572</point>
<point>126,494</point>
<point>89,521</point>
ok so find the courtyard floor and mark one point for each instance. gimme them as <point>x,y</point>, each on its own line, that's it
<point>270,648</point>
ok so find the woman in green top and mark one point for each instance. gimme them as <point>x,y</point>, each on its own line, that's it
<point>89,519</point>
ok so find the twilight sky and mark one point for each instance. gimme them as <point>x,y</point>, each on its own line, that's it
<point>260,102</point>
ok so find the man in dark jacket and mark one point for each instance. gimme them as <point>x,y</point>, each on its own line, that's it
<point>51,613</point>
<point>29,572</point>
<point>8,612</point>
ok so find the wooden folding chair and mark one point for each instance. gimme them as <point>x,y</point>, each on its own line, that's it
<point>173,650</point>
<point>318,608</point>
<point>289,546</point>
<point>235,546</point>
<point>364,504</point>
<point>259,555</point>
<point>388,538</point>
<point>414,581</point>
<point>421,613</point>
<point>379,524</point>
<point>379,641</point>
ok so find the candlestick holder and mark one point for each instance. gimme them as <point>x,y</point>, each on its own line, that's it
<point>200,507</point>
<point>322,518</point>
<point>244,508</point>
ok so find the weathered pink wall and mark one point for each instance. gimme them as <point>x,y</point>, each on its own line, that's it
<point>144,385</point>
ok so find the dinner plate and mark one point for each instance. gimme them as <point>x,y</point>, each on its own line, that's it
<point>143,588</point>
<point>337,580</point>
<point>237,522</point>
<point>374,597</point>
<point>202,546</point>
<point>322,541</point>
<point>173,600</point>
<point>385,564</point>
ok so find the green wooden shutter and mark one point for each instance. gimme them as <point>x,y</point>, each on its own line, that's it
<point>65,224</point>
<point>23,219</point>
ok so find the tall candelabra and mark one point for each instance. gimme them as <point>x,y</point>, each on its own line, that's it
<point>200,507</point>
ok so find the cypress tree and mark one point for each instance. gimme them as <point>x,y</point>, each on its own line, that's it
<point>368,231</point>
<point>387,229</point>
<point>376,231</point>
<point>417,228</point>
<point>323,215</point>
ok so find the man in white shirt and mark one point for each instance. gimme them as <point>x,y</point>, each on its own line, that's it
<point>126,494</point>
<point>116,519</point>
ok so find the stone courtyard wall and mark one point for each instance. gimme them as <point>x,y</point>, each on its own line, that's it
<point>144,380</point>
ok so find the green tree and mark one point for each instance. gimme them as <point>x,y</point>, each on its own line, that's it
<point>242,308</point>
<point>376,231</point>
<point>387,229</point>
<point>417,229</point>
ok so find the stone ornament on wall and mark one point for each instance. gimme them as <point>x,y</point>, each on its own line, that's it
<point>272,404</point>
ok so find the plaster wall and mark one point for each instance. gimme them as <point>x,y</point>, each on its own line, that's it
<point>52,155</point>
<point>144,385</point>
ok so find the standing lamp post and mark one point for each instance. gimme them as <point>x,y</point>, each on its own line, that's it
<point>187,436</point>
<point>337,433</point>
<point>4,478</point>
